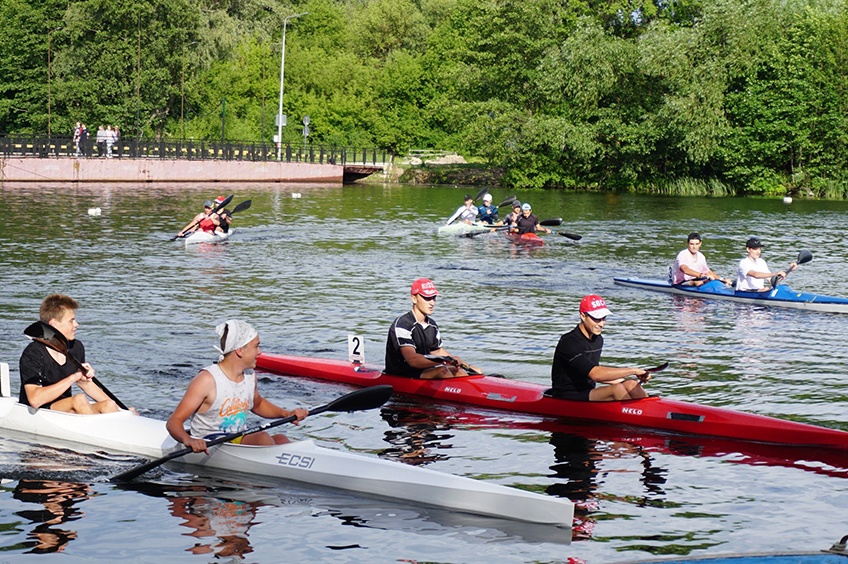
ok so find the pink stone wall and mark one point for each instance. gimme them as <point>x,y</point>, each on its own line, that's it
<point>160,170</point>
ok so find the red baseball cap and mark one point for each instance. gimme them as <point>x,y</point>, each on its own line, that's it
<point>425,287</point>
<point>594,305</point>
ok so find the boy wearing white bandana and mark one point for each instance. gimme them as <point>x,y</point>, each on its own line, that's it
<point>218,398</point>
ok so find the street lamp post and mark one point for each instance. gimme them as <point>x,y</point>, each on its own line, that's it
<point>182,92</point>
<point>282,75</point>
<point>49,73</point>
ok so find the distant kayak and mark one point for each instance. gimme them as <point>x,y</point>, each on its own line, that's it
<point>529,239</point>
<point>207,237</point>
<point>780,296</point>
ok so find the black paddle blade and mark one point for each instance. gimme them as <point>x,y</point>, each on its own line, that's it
<point>507,201</point>
<point>804,256</point>
<point>480,194</point>
<point>572,236</point>
<point>242,206</point>
<point>359,400</point>
<point>48,335</point>
<point>553,222</point>
<point>659,368</point>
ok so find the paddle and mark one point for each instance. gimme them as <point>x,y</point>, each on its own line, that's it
<point>242,206</point>
<point>47,335</point>
<point>804,257</point>
<point>659,368</point>
<point>507,201</point>
<point>572,236</point>
<point>452,360</point>
<point>216,209</point>
<point>366,398</point>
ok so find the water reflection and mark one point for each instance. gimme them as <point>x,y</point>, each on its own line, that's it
<point>221,525</point>
<point>414,436</point>
<point>219,520</point>
<point>59,501</point>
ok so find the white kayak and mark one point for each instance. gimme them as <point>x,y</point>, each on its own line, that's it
<point>207,237</point>
<point>302,461</point>
<point>462,228</point>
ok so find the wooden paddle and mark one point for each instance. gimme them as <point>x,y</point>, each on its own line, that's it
<point>659,368</point>
<point>48,336</point>
<point>358,400</point>
<point>804,257</point>
<point>216,209</point>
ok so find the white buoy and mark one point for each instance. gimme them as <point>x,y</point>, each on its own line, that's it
<point>295,194</point>
<point>787,200</point>
<point>94,211</point>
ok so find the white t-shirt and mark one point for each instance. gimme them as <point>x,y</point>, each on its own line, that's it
<point>697,262</point>
<point>749,283</point>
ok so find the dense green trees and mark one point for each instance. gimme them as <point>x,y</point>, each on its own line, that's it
<point>751,94</point>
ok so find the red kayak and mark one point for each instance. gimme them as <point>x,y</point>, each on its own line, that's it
<point>525,397</point>
<point>529,239</point>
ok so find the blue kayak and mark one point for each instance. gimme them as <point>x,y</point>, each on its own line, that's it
<point>780,296</point>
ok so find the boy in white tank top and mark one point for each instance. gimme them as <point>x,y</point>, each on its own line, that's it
<point>218,398</point>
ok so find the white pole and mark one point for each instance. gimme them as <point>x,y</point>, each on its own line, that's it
<point>282,75</point>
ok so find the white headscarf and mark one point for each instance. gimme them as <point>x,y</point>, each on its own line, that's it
<point>238,334</point>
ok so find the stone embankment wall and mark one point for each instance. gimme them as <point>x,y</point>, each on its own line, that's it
<point>161,170</point>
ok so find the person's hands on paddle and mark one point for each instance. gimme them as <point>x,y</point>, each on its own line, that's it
<point>300,414</point>
<point>196,445</point>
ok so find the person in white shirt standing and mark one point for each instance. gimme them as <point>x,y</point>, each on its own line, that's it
<point>753,271</point>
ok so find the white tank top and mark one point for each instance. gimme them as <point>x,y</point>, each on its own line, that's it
<point>233,401</point>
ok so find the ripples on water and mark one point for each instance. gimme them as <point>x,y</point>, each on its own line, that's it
<point>308,272</point>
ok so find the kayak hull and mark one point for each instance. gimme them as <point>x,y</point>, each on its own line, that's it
<point>301,461</point>
<point>525,397</point>
<point>462,228</point>
<point>527,239</point>
<point>207,237</point>
<point>781,296</point>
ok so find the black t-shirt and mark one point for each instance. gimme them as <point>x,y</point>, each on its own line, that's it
<point>38,367</point>
<point>526,224</point>
<point>574,358</point>
<point>405,332</point>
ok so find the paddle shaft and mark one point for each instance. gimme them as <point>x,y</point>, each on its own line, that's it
<point>366,398</point>
<point>451,360</point>
<point>804,256</point>
<point>659,368</point>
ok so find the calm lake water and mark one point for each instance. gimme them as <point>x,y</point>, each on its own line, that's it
<point>309,271</point>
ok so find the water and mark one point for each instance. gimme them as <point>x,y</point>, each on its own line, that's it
<point>308,272</point>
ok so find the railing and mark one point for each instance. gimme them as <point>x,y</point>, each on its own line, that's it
<point>63,147</point>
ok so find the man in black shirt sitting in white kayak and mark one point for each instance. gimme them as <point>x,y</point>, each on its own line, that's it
<point>415,334</point>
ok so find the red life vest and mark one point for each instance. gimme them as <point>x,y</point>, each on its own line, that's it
<point>207,225</point>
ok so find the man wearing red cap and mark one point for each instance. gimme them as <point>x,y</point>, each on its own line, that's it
<point>415,334</point>
<point>576,368</point>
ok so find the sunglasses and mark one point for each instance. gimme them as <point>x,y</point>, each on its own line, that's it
<point>597,319</point>
<point>429,299</point>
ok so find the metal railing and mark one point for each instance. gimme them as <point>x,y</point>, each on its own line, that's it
<point>65,147</point>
